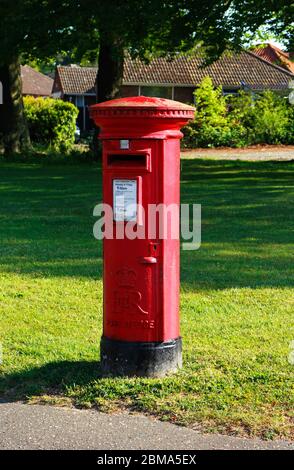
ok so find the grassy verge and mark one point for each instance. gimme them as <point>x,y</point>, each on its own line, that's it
<point>236,298</point>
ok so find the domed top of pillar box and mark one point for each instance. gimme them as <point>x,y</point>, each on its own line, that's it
<point>141,117</point>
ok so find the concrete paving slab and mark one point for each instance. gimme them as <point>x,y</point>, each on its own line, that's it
<point>24,426</point>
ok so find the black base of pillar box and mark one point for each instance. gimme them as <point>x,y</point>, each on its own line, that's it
<point>120,358</point>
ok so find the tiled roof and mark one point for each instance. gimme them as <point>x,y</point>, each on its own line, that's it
<point>275,55</point>
<point>35,83</point>
<point>229,71</point>
<point>77,80</point>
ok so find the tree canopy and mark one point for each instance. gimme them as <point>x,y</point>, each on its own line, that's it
<point>106,29</point>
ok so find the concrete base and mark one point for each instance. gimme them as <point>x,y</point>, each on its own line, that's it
<point>123,358</point>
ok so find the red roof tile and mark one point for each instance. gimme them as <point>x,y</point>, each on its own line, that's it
<point>35,83</point>
<point>77,80</point>
<point>229,71</point>
<point>275,55</point>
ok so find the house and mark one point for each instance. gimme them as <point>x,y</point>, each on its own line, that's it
<point>175,79</point>
<point>35,83</point>
<point>78,85</point>
<point>275,55</point>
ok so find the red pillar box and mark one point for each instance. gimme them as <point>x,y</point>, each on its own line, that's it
<point>141,173</point>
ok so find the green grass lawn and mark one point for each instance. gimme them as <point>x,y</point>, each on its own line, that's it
<point>236,298</point>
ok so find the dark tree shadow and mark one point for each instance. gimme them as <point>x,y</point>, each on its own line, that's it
<point>46,230</point>
<point>46,215</point>
<point>246,224</point>
<point>46,222</point>
<point>51,379</point>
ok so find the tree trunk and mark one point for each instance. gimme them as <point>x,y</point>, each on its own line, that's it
<point>110,68</point>
<point>109,75</point>
<point>13,125</point>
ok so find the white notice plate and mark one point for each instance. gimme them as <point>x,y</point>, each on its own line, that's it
<point>125,200</point>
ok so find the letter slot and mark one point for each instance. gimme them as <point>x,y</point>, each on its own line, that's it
<point>139,161</point>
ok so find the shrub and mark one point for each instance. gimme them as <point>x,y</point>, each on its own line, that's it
<point>290,126</point>
<point>269,119</point>
<point>240,114</point>
<point>236,121</point>
<point>209,125</point>
<point>51,122</point>
<point>265,117</point>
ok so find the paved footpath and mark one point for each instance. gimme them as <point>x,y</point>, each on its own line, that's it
<point>25,426</point>
<point>254,153</point>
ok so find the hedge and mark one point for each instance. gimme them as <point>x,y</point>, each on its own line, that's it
<point>236,121</point>
<point>51,122</point>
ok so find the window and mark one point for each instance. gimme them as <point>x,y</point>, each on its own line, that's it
<point>80,101</point>
<point>158,91</point>
<point>230,91</point>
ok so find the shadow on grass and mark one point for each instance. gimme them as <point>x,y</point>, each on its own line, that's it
<point>246,224</point>
<point>51,379</point>
<point>46,230</point>
<point>46,222</point>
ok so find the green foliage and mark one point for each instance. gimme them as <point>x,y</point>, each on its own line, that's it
<point>290,126</point>
<point>236,121</point>
<point>210,120</point>
<point>265,118</point>
<point>211,126</point>
<point>51,122</point>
